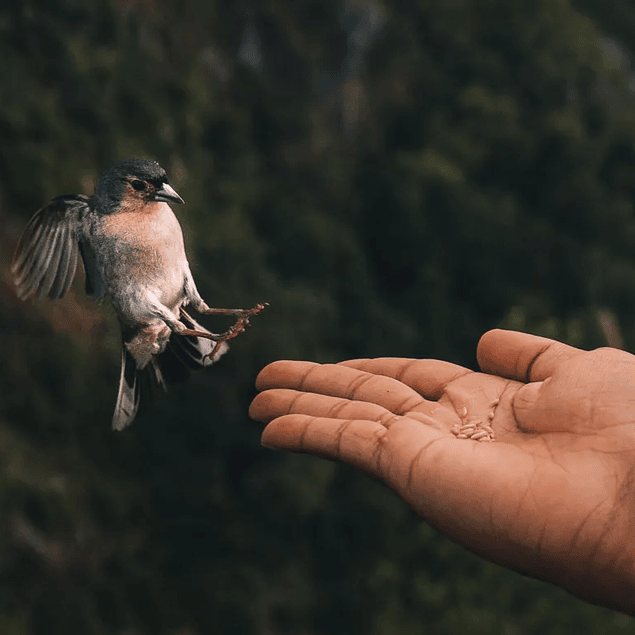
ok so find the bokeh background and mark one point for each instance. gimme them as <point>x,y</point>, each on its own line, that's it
<point>394,178</point>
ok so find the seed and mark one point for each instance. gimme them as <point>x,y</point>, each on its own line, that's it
<point>488,429</point>
<point>461,436</point>
<point>490,415</point>
<point>464,411</point>
<point>481,434</point>
<point>495,402</point>
<point>467,428</point>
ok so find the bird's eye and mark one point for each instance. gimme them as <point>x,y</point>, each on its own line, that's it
<point>138,185</point>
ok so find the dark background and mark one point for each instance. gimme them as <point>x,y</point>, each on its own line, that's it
<point>394,178</point>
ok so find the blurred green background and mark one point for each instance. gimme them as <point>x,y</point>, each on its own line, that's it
<point>394,178</point>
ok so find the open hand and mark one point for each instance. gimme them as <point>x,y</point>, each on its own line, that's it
<point>553,496</point>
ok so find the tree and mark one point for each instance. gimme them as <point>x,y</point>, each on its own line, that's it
<point>483,181</point>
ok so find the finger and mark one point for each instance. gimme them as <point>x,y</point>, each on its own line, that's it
<point>352,441</point>
<point>415,460</point>
<point>283,374</point>
<point>428,377</point>
<point>340,381</point>
<point>274,403</point>
<point>521,356</point>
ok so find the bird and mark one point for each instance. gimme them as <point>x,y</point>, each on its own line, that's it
<point>132,250</point>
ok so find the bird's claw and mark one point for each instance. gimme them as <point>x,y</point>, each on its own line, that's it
<point>238,327</point>
<point>247,313</point>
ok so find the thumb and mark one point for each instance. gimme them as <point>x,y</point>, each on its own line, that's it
<point>537,408</point>
<point>525,406</point>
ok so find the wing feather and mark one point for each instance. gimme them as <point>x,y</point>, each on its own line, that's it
<point>45,259</point>
<point>65,272</point>
<point>47,270</point>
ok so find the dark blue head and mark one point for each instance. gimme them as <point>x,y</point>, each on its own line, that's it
<point>138,178</point>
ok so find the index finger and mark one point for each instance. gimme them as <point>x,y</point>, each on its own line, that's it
<point>340,381</point>
<point>521,356</point>
<point>428,377</point>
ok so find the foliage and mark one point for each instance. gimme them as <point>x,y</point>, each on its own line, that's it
<point>394,179</point>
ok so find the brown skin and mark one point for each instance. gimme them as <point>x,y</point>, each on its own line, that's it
<point>552,497</point>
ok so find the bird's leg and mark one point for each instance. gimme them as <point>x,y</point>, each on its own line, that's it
<point>194,299</point>
<point>242,321</point>
<point>237,328</point>
<point>240,325</point>
<point>240,313</point>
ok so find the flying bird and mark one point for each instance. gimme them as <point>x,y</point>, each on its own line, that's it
<point>131,246</point>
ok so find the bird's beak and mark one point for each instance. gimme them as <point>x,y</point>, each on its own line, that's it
<point>167,194</point>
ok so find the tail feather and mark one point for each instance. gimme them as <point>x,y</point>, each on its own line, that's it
<point>129,393</point>
<point>182,355</point>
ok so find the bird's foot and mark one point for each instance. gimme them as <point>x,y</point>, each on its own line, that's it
<point>236,329</point>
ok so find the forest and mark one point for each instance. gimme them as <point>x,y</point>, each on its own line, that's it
<point>394,178</point>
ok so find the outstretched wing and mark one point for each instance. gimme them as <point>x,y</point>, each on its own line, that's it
<point>45,259</point>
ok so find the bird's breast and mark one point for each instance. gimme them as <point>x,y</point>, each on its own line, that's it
<point>144,250</point>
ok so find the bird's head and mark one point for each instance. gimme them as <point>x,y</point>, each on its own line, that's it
<point>133,183</point>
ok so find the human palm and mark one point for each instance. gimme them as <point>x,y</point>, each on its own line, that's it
<point>553,496</point>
